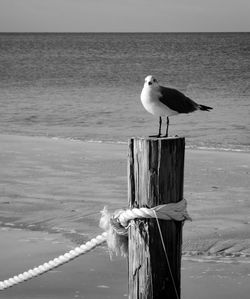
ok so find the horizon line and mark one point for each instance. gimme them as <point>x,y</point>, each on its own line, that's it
<point>120,32</point>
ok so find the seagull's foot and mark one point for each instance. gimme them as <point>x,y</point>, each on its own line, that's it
<point>157,136</point>
<point>165,136</point>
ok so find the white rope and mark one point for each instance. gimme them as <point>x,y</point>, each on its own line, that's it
<point>171,211</point>
<point>116,225</point>
<point>62,259</point>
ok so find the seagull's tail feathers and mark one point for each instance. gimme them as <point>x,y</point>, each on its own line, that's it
<point>204,108</point>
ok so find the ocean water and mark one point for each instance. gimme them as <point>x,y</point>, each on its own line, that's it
<point>87,86</point>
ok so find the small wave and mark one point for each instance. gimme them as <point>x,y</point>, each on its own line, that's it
<point>74,139</point>
<point>67,139</point>
<point>106,141</point>
<point>222,149</point>
<point>31,118</point>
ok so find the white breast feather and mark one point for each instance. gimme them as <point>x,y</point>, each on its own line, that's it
<point>150,101</point>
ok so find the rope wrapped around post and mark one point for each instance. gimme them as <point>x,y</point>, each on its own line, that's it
<point>116,224</point>
<point>116,234</point>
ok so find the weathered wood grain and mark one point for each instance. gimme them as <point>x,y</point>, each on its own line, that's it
<point>155,176</point>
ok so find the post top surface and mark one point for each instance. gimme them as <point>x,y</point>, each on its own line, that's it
<point>158,138</point>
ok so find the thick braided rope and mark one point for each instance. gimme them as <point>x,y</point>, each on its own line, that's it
<point>171,211</point>
<point>116,224</point>
<point>62,259</point>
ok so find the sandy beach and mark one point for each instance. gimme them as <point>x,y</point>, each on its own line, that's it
<point>52,191</point>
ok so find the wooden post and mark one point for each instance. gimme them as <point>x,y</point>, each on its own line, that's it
<point>155,176</point>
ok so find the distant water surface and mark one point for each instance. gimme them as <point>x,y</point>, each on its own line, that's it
<point>87,86</point>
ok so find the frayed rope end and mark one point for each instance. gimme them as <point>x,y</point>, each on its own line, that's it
<point>117,239</point>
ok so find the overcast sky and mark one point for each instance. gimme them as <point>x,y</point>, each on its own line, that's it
<point>124,15</point>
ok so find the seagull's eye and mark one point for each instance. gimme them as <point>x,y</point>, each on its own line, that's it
<point>154,80</point>
<point>149,83</point>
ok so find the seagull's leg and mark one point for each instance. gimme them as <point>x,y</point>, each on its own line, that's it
<point>167,127</point>
<point>159,133</point>
<point>160,122</point>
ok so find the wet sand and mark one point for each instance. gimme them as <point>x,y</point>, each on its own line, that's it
<point>52,191</point>
<point>93,275</point>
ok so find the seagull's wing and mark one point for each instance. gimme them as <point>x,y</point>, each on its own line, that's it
<point>176,100</point>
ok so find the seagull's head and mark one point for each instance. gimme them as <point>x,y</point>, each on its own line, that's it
<point>150,82</point>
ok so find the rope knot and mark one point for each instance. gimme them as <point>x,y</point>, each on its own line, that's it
<point>116,225</point>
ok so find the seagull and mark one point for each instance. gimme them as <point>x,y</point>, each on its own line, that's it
<point>164,102</point>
